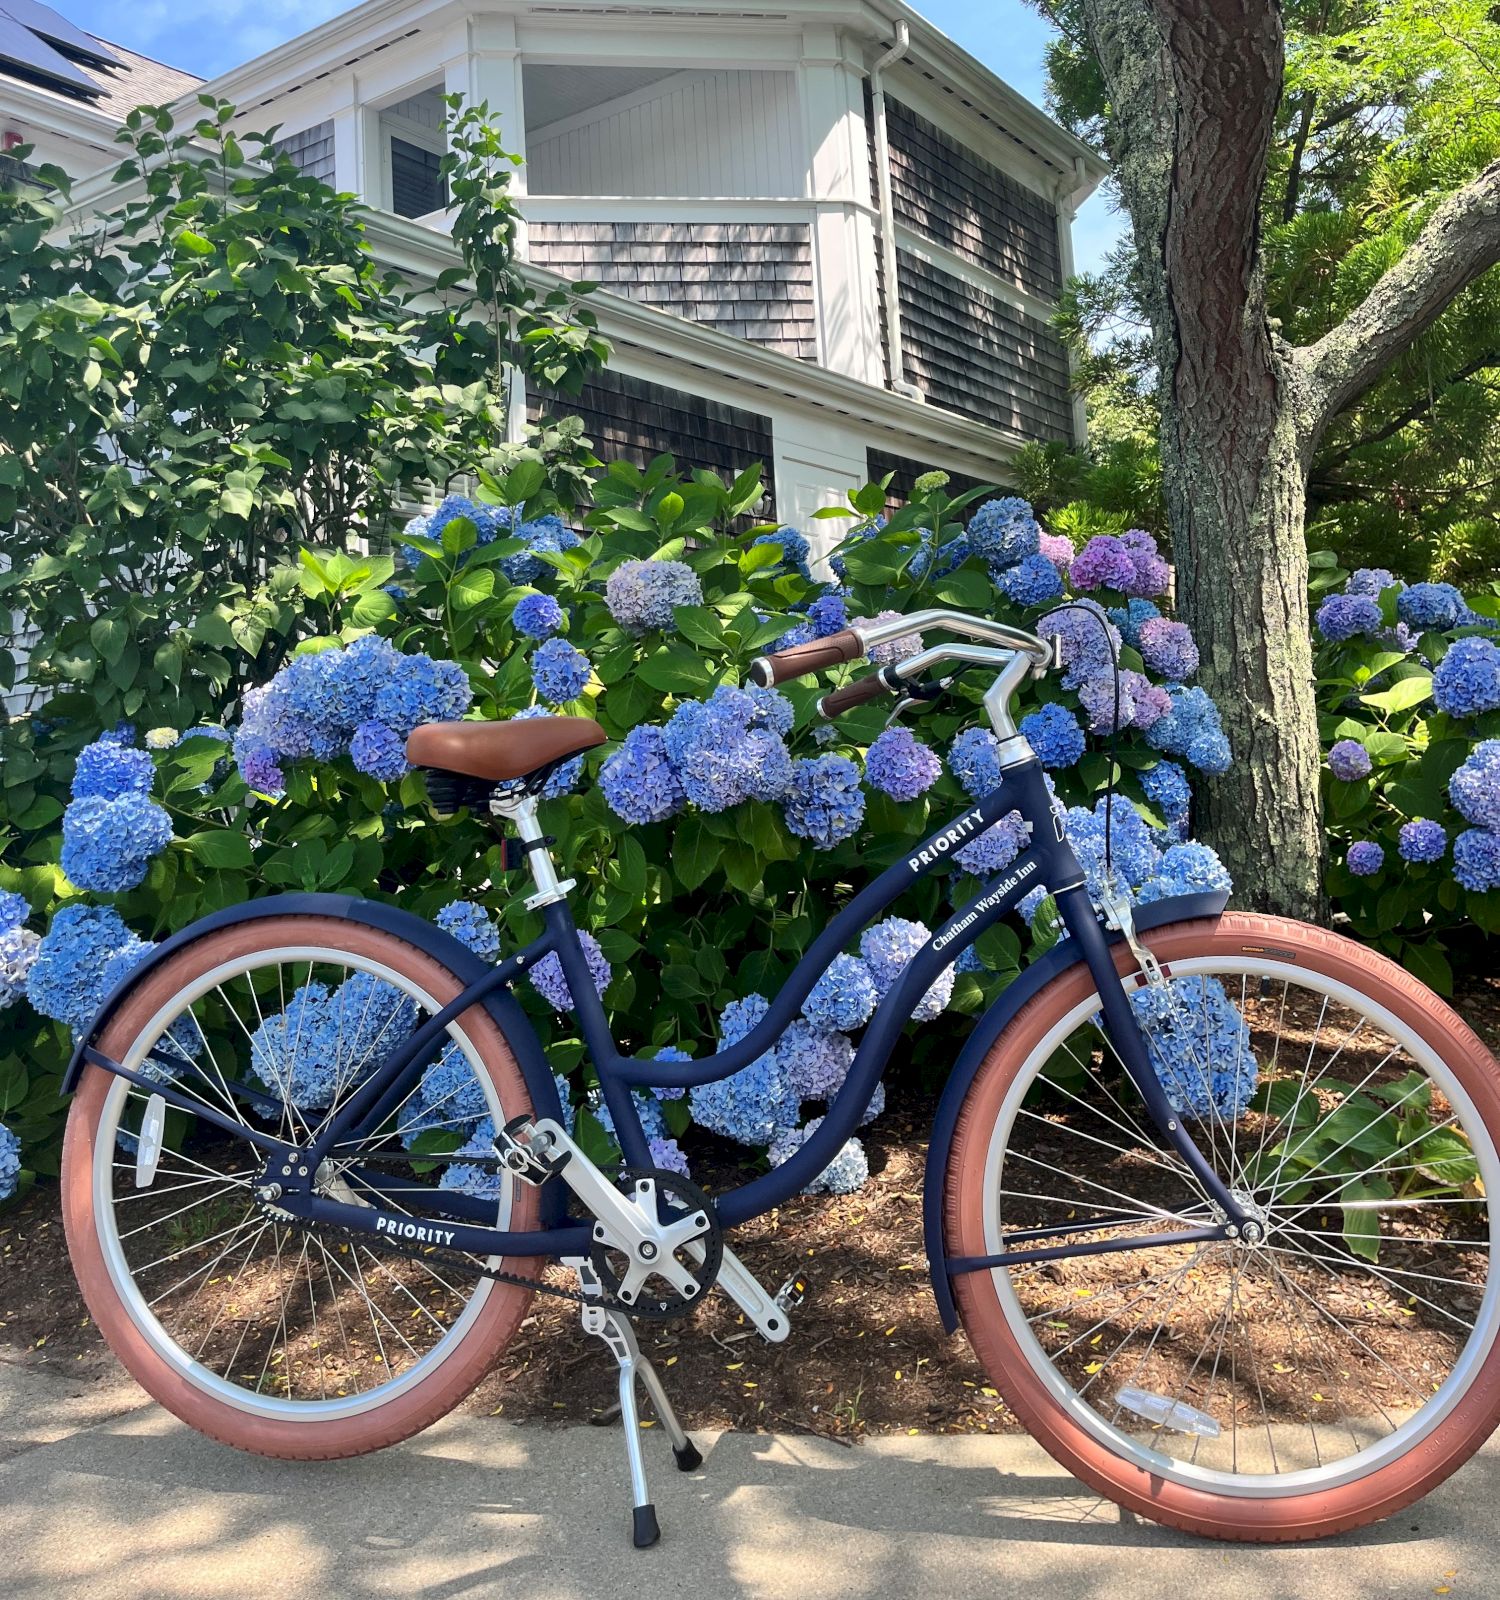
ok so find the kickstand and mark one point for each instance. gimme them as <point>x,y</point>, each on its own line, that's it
<point>619,1338</point>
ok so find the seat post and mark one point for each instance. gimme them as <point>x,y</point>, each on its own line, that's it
<point>519,807</point>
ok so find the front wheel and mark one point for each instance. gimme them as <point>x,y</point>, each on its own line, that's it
<point>1322,1377</point>
<point>266,1335</point>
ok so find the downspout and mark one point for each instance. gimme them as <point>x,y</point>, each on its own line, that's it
<point>895,345</point>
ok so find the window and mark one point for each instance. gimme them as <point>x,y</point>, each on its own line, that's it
<point>416,184</point>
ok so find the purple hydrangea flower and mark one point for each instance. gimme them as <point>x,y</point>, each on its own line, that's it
<point>883,655</point>
<point>1349,761</point>
<point>639,782</point>
<point>1365,858</point>
<point>1168,648</point>
<point>900,765</point>
<point>559,672</point>
<point>1058,549</point>
<point>641,594</point>
<point>549,982</point>
<point>1054,735</point>
<point>824,802</point>
<point>1152,574</point>
<point>1422,841</point>
<point>1129,618</point>
<point>888,947</point>
<point>1103,563</point>
<point>995,848</point>
<point>1088,639</point>
<point>1467,680</point>
<point>538,616</point>
<point>377,750</point>
<point>1342,616</point>
<point>814,1061</point>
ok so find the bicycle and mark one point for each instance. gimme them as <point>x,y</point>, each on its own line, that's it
<point>1155,1198</point>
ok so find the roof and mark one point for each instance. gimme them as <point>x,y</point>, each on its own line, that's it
<point>48,59</point>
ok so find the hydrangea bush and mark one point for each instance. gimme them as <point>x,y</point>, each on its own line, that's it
<point>1409,687</point>
<point>711,838</point>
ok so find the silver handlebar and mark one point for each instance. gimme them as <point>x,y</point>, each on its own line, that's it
<point>1037,651</point>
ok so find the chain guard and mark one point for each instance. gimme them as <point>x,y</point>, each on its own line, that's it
<point>661,1302</point>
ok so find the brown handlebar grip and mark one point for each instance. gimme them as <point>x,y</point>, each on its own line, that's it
<point>837,701</point>
<point>803,659</point>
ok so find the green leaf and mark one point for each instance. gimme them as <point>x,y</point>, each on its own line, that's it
<point>1403,695</point>
<point>1361,1219</point>
<point>109,636</point>
<point>695,852</point>
<point>675,669</point>
<point>219,847</point>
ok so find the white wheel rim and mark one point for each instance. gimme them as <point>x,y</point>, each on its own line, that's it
<point>1355,1466</point>
<point>106,1221</point>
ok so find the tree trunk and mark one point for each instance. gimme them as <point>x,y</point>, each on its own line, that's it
<point>1194,86</point>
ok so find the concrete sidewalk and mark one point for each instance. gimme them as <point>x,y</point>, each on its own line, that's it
<point>104,1495</point>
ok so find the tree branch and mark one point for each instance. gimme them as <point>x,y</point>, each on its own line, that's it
<point>1417,409</point>
<point>1460,241</point>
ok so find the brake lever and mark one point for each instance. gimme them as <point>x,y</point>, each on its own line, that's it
<point>919,694</point>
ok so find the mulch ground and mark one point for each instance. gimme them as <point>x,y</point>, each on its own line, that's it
<point>867,1353</point>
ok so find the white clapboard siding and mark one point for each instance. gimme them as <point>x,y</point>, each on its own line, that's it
<point>730,134</point>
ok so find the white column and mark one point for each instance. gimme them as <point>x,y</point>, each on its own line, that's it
<point>1066,211</point>
<point>831,91</point>
<point>488,72</point>
<point>357,166</point>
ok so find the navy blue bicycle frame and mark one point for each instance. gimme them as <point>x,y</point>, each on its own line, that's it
<point>457,1221</point>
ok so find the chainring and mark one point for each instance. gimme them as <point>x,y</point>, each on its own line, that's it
<point>660,1300</point>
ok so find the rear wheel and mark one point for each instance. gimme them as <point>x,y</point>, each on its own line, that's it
<point>1311,1381</point>
<point>266,1335</point>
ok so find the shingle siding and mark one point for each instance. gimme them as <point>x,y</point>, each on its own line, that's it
<point>905,473</point>
<point>630,419</point>
<point>953,197</point>
<point>750,279</point>
<point>975,354</point>
<point>311,150</point>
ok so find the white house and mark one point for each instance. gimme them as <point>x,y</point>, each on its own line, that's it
<point>744,182</point>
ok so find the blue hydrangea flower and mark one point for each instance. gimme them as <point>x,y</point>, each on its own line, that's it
<point>1343,616</point>
<point>1371,581</point>
<point>420,690</point>
<point>1476,860</point>
<point>973,761</point>
<point>1168,648</point>
<point>1422,841</point>
<point>1129,618</point>
<point>793,546</point>
<point>844,998</point>
<point>647,1107</point>
<point>847,1172</point>
<point>751,1104</point>
<point>1349,761</point>
<point>798,633</point>
<point>464,1177</point>
<point>14,910</point>
<point>1132,849</point>
<point>866,530</point>
<point>828,614</point>
<point>1167,788</point>
<point>667,1155</point>
<point>995,848</point>
<point>814,1061</point>
<point>900,765</point>
<point>1475,788</point>
<point>1430,605</point>
<point>1032,581</point>
<point>1185,868</point>
<point>1054,734</point>
<point>471,925</point>
<point>565,778</point>
<point>538,616</point>
<point>641,594</point>
<point>670,1052</point>
<point>1191,730</point>
<point>378,751</point>
<point>18,953</point>
<point>1200,1047</point>
<point>1004,531</point>
<point>888,947</point>
<point>824,802</point>
<point>543,536</point>
<point>10,1162</point>
<point>893,650</point>
<point>559,672</point>
<point>548,980</point>
<point>1467,680</point>
<point>772,709</point>
<point>725,751</point>
<point>1365,858</point>
<point>639,782</point>
<point>326,1040</point>
<point>106,771</point>
<point>107,845</point>
<point>451,1093</point>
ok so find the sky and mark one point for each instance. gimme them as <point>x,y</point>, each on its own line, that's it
<point>209,36</point>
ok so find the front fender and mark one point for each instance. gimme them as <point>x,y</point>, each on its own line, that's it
<point>1180,908</point>
<point>462,962</point>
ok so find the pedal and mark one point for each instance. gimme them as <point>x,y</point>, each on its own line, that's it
<point>791,1294</point>
<point>528,1152</point>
